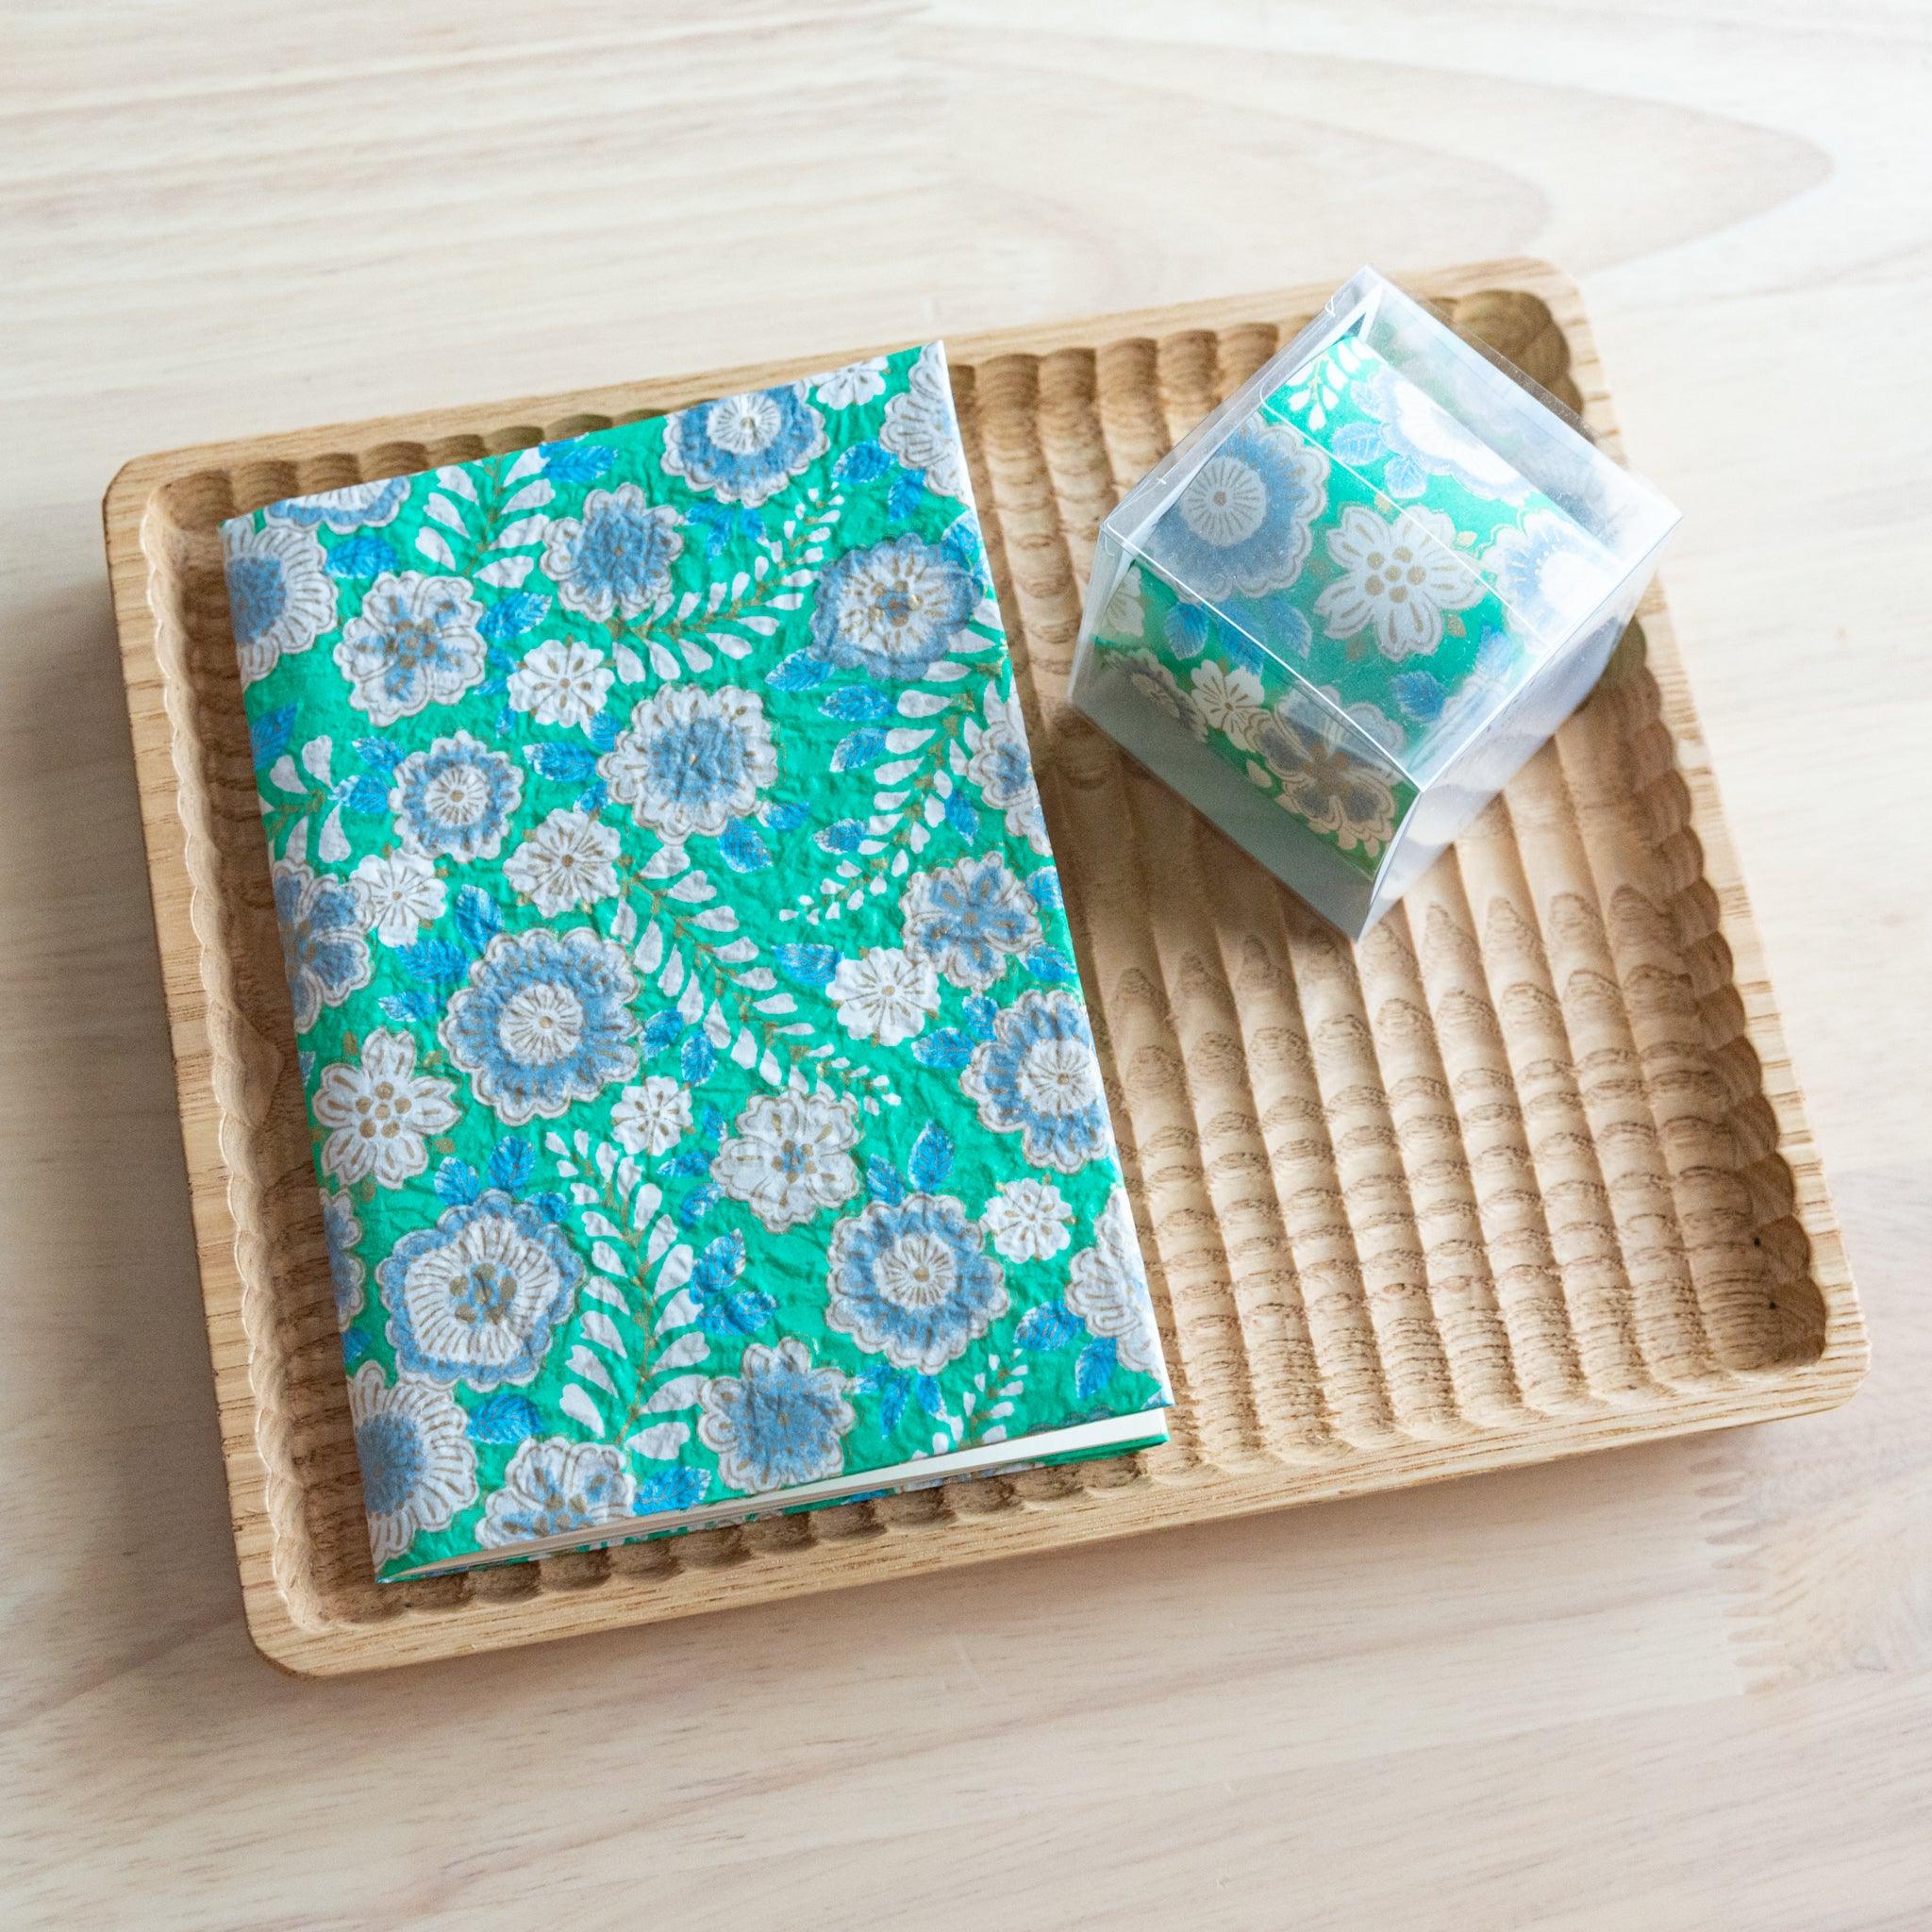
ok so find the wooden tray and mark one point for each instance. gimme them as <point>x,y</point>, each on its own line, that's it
<point>1526,1173</point>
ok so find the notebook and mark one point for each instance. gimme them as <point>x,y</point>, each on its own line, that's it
<point>703,1099</point>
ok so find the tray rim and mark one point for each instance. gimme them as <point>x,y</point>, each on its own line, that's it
<point>186,960</point>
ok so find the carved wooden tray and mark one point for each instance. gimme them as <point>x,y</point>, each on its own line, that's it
<point>1526,1173</point>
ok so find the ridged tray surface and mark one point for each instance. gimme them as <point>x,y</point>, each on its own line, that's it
<point>1525,1175</point>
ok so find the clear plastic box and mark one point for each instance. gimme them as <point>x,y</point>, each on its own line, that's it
<point>1343,611</point>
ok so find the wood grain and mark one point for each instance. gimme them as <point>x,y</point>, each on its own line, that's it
<point>1687,1686</point>
<point>1314,1215</point>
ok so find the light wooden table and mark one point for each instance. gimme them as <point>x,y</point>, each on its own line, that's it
<point>1685,1687</point>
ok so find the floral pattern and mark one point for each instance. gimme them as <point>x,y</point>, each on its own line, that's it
<point>653,1117</point>
<point>380,1113</point>
<point>790,1157</point>
<point>401,894</point>
<point>970,920</point>
<point>1038,1078</point>
<point>779,1422</point>
<point>454,800</point>
<point>418,1467</point>
<point>474,1298</point>
<point>341,1231</point>
<point>742,449</point>
<point>700,1089</point>
<point>1001,765</point>
<point>1328,776</point>
<point>1027,1221</point>
<point>920,428</point>
<point>1244,524</point>
<point>909,1281</point>
<point>543,1022</point>
<point>1545,569</point>
<point>569,860</point>
<point>562,682</point>
<point>1425,586</point>
<point>614,561</point>
<point>414,642</point>
<point>691,760</point>
<point>893,610</point>
<point>1398,579</point>
<point>847,388</point>
<point>1419,440</point>
<point>355,507</point>
<point>557,1488</point>
<point>325,954</point>
<point>280,595</point>
<point>885,994</point>
<point>1108,1290</point>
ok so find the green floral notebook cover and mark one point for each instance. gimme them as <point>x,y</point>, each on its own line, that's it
<point>703,1102</point>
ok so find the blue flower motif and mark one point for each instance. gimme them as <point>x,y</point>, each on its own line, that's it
<point>555,1487</point>
<point>341,1230</point>
<point>1422,440</point>
<point>476,1298</point>
<point>616,558</point>
<point>778,1422</point>
<point>893,609</point>
<point>415,642</point>
<point>324,950</point>
<point>1037,1077</point>
<point>1244,523</point>
<point>544,1022</point>
<point>743,448</point>
<point>969,919</point>
<point>454,800</point>
<point>419,1468</point>
<point>281,597</point>
<point>355,507</point>
<point>910,1282</point>
<point>1548,574</point>
<point>691,760</point>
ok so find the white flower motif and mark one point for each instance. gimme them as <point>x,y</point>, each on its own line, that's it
<point>1124,619</point>
<point>1229,702</point>
<point>691,760</point>
<point>885,994</point>
<point>1027,1221</point>
<point>1398,578</point>
<point>419,1470</point>
<point>414,642</point>
<point>788,1158</point>
<point>1155,683</point>
<point>653,1117</point>
<point>380,1113</point>
<point>920,429</point>
<point>1108,1290</point>
<point>401,894</point>
<point>570,859</point>
<point>477,1298</point>
<point>281,597</point>
<point>562,683</point>
<point>555,1487</point>
<point>858,382</point>
<point>1002,766</point>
